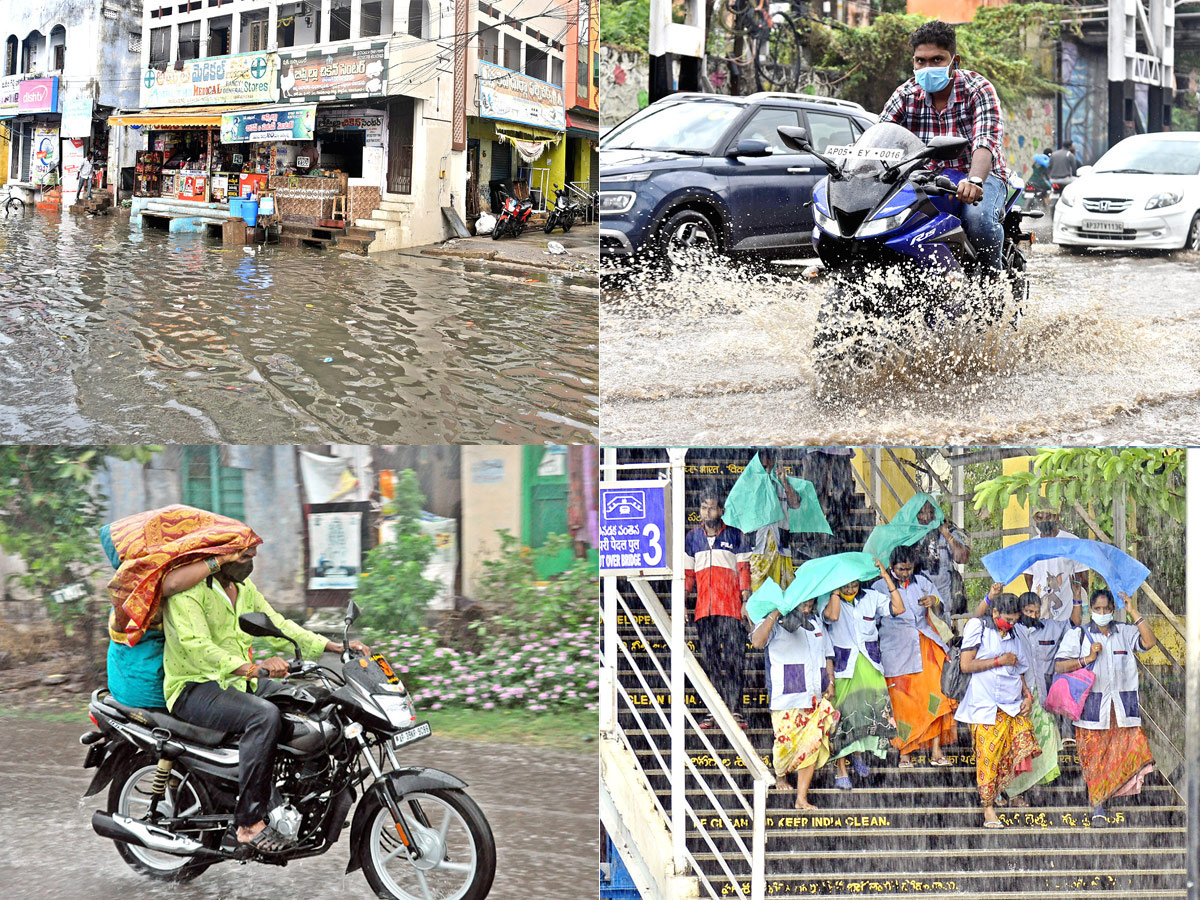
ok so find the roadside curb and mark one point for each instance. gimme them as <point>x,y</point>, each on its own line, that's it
<point>492,257</point>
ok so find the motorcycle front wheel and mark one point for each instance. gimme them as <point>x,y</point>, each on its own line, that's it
<point>497,230</point>
<point>129,796</point>
<point>551,223</point>
<point>458,852</point>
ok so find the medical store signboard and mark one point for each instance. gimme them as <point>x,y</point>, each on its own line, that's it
<point>635,537</point>
<point>512,97</point>
<point>215,80</point>
<point>37,95</point>
<point>269,125</point>
<point>327,75</point>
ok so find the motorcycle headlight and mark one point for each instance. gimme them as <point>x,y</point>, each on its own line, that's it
<point>1065,198</point>
<point>627,178</point>
<point>616,202</point>
<point>881,226</point>
<point>1163,198</point>
<point>826,223</point>
<point>399,710</point>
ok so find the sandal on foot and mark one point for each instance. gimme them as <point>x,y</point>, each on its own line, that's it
<point>940,762</point>
<point>993,824</point>
<point>267,841</point>
<point>842,782</point>
<point>708,722</point>
<point>740,720</point>
<point>860,767</point>
<point>904,764</point>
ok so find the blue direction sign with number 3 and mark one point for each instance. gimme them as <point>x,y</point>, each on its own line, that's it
<point>633,528</point>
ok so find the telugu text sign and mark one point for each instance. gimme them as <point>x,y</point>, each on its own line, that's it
<point>270,125</point>
<point>513,97</point>
<point>243,78</point>
<point>10,94</point>
<point>634,532</point>
<point>344,72</point>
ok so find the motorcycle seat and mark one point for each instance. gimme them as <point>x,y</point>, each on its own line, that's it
<point>160,718</point>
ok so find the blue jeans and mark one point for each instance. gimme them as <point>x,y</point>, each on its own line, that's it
<point>983,224</point>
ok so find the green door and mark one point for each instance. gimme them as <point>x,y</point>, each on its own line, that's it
<point>546,492</point>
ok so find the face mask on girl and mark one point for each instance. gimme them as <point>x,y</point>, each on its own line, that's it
<point>1102,619</point>
<point>1003,624</point>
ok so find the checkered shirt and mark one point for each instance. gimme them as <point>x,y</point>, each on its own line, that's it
<point>973,112</point>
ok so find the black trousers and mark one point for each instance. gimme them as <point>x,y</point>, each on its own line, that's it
<point>207,705</point>
<point>723,656</point>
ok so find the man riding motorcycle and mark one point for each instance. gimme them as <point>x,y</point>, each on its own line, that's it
<point>211,681</point>
<point>943,99</point>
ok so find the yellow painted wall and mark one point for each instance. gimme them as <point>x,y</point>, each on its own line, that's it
<point>557,158</point>
<point>4,145</point>
<point>891,472</point>
<point>488,506</point>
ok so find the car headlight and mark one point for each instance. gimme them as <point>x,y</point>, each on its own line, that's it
<point>1163,198</point>
<point>616,201</point>
<point>627,178</point>
<point>879,226</point>
<point>1066,199</point>
<point>826,223</point>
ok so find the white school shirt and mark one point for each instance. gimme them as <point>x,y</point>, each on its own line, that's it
<point>997,688</point>
<point>1116,687</point>
<point>795,663</point>
<point>899,636</point>
<point>856,632</point>
<point>1044,569</point>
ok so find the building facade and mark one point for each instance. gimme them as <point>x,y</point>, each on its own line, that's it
<point>357,93</point>
<point>65,67</point>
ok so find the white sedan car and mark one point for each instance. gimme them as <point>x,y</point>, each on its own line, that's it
<point>1144,192</point>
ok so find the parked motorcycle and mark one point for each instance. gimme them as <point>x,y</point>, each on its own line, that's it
<point>564,212</point>
<point>173,786</point>
<point>1057,185</point>
<point>514,215</point>
<point>879,208</point>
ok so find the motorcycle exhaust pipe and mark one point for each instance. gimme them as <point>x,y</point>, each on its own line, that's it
<point>122,828</point>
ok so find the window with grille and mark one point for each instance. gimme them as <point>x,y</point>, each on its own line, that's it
<point>135,42</point>
<point>209,485</point>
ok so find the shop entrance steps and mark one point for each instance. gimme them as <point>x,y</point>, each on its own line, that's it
<point>917,830</point>
<point>390,223</point>
<point>350,239</point>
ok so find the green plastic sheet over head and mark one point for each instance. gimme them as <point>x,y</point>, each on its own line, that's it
<point>904,530</point>
<point>754,502</point>
<point>814,579</point>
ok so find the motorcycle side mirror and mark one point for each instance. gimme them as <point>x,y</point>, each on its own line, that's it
<point>945,147</point>
<point>750,147</point>
<point>795,138</point>
<point>351,612</point>
<point>258,624</point>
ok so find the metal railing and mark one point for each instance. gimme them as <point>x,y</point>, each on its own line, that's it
<point>582,192</point>
<point>652,719</point>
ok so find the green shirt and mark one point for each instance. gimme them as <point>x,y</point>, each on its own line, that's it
<point>204,642</point>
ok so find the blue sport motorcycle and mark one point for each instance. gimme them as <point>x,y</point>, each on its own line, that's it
<point>879,212</point>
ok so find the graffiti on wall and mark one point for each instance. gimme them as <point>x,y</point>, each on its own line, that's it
<point>1085,100</point>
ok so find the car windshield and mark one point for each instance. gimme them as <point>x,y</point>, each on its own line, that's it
<point>1152,158</point>
<point>880,136</point>
<point>689,127</point>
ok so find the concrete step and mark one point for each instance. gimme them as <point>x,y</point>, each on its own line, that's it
<point>388,215</point>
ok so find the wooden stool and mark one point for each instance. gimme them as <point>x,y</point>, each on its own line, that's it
<point>339,207</point>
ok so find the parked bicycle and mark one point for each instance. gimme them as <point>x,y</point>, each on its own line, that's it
<point>765,39</point>
<point>12,204</point>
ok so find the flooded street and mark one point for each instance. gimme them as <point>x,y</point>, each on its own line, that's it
<point>541,805</point>
<point>109,334</point>
<point>1108,351</point>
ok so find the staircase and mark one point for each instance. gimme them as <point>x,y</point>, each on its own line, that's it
<point>911,831</point>
<point>350,239</point>
<point>388,223</point>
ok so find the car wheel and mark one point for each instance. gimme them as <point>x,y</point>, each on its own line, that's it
<point>1193,236</point>
<point>687,239</point>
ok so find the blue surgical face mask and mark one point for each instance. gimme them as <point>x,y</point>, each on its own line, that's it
<point>932,78</point>
<point>1102,619</point>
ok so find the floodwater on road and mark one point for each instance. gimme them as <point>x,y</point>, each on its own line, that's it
<point>109,334</point>
<point>1108,351</point>
<point>542,806</point>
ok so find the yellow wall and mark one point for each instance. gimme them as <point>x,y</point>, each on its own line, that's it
<point>488,506</point>
<point>4,145</point>
<point>556,156</point>
<point>893,474</point>
<point>1016,515</point>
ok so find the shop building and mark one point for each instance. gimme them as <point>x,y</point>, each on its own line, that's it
<point>517,118</point>
<point>65,67</point>
<point>582,99</point>
<point>339,108</point>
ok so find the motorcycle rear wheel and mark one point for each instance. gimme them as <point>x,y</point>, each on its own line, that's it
<point>458,859</point>
<point>129,796</point>
<point>567,223</point>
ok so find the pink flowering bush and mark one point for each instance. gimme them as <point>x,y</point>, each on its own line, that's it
<point>538,641</point>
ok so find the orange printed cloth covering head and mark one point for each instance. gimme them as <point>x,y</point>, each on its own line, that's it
<point>150,545</point>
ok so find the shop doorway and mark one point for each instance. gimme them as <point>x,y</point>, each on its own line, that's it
<point>401,112</point>
<point>344,150</point>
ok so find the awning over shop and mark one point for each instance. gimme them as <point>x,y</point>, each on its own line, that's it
<point>528,132</point>
<point>583,126</point>
<point>173,117</point>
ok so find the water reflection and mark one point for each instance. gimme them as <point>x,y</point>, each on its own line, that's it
<point>114,334</point>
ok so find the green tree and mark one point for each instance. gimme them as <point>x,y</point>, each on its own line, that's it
<point>393,592</point>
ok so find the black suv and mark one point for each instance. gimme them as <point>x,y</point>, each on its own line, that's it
<point>700,171</point>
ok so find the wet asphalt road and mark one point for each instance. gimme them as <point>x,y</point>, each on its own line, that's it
<point>541,804</point>
<point>1108,351</point>
<point>109,334</point>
